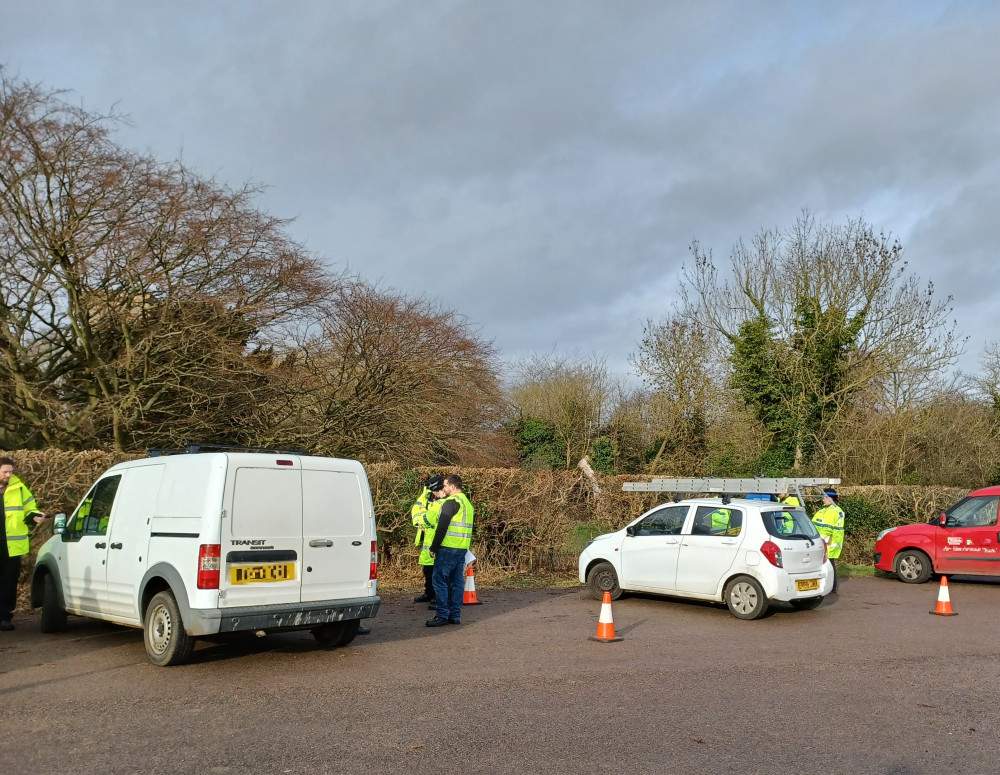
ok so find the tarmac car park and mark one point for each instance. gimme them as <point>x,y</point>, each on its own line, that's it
<point>745,553</point>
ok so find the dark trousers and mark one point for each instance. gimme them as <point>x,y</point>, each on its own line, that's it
<point>428,580</point>
<point>10,571</point>
<point>833,564</point>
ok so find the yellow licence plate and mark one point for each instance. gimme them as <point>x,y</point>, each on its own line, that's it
<point>806,584</point>
<point>251,574</point>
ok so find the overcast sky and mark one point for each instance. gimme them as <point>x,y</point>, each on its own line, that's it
<point>543,166</point>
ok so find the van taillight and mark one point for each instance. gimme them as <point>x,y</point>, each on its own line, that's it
<point>373,568</point>
<point>209,566</point>
<point>770,550</point>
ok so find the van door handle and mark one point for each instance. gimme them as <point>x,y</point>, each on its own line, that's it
<point>116,546</point>
<point>101,545</point>
<point>321,542</point>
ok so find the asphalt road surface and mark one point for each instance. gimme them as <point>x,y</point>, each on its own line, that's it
<point>866,683</point>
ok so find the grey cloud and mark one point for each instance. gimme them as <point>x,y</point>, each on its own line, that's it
<point>554,160</point>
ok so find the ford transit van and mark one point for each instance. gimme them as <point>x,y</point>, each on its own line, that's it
<point>204,542</point>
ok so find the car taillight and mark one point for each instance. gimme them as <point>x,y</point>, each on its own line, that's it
<point>209,566</point>
<point>824,551</point>
<point>770,550</point>
<point>373,570</point>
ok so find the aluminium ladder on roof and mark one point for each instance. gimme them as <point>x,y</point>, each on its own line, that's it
<point>760,485</point>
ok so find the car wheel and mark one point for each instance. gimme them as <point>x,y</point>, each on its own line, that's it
<point>807,603</point>
<point>166,641</point>
<point>336,634</point>
<point>53,614</point>
<point>745,598</point>
<point>913,566</point>
<point>602,578</point>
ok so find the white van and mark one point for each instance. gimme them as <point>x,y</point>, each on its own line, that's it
<point>202,543</point>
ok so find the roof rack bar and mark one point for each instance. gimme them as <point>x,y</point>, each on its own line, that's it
<point>193,449</point>
<point>761,485</point>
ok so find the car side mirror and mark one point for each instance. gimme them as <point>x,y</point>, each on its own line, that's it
<point>59,524</point>
<point>630,530</point>
<point>943,520</point>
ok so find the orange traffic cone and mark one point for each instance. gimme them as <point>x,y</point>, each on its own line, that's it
<point>470,597</point>
<point>605,624</point>
<point>943,607</point>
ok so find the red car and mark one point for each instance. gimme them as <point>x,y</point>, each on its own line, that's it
<point>964,540</point>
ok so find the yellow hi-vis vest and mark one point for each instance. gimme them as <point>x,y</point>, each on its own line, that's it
<point>418,514</point>
<point>791,500</point>
<point>18,503</point>
<point>459,535</point>
<point>829,521</point>
<point>720,519</point>
<point>431,516</point>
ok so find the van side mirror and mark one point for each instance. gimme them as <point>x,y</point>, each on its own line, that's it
<point>59,524</point>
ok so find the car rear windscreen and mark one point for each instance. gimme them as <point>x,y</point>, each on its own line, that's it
<point>789,523</point>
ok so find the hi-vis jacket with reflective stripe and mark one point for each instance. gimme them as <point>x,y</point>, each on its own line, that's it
<point>459,531</point>
<point>829,521</point>
<point>18,508</point>
<point>424,516</point>
<point>418,515</point>
<point>431,517</point>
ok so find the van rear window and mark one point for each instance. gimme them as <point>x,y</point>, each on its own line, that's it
<point>332,504</point>
<point>267,503</point>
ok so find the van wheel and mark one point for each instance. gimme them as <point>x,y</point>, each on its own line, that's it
<point>807,603</point>
<point>602,578</point>
<point>166,641</point>
<point>745,598</point>
<point>53,614</point>
<point>913,566</point>
<point>337,634</point>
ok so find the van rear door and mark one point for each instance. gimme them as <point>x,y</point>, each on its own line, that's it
<point>336,518</point>
<point>262,549</point>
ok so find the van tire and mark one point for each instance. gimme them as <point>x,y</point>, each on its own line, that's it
<point>53,614</point>
<point>336,634</point>
<point>163,632</point>
<point>745,598</point>
<point>913,567</point>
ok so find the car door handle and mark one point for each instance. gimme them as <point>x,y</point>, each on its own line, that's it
<point>321,542</point>
<point>673,542</point>
<point>101,545</point>
<point>730,543</point>
<point>116,546</point>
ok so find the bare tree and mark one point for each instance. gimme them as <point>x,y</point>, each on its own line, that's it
<point>383,376</point>
<point>569,392</point>
<point>838,315</point>
<point>136,295</point>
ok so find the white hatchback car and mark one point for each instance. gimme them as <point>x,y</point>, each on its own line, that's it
<point>744,553</point>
